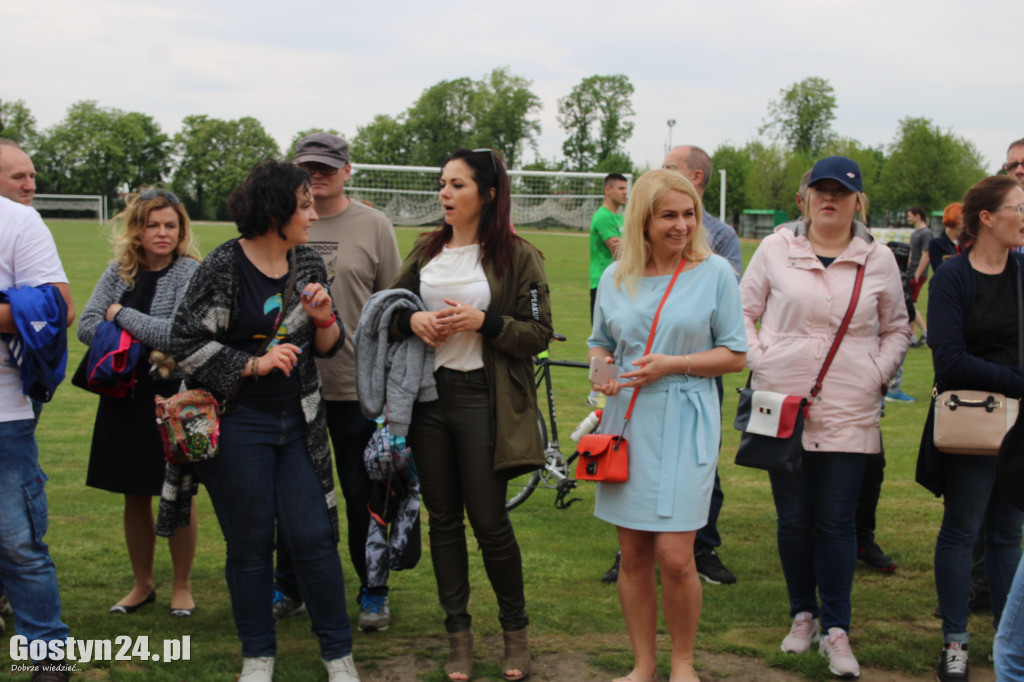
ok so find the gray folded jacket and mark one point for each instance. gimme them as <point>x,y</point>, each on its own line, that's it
<point>397,374</point>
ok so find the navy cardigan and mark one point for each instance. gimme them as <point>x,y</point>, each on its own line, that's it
<point>951,294</point>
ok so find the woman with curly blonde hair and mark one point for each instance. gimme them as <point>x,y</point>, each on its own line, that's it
<point>154,259</point>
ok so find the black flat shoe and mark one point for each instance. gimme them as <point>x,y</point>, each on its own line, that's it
<point>122,608</point>
<point>183,613</point>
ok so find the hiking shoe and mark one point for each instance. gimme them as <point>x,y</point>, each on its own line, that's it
<point>953,664</point>
<point>285,606</point>
<point>899,397</point>
<point>5,606</point>
<point>341,670</point>
<point>804,632</point>
<point>836,648</point>
<point>374,614</point>
<point>596,400</point>
<point>711,568</point>
<point>612,574</point>
<point>872,555</point>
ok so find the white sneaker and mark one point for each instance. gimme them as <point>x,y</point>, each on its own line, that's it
<point>802,635</point>
<point>836,647</point>
<point>342,670</point>
<point>258,669</point>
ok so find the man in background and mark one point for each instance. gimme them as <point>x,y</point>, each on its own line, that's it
<point>360,250</point>
<point>918,267</point>
<point>28,258</point>
<point>17,174</point>
<point>605,240</point>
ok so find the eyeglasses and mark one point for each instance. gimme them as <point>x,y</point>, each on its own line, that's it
<point>490,152</point>
<point>1009,166</point>
<point>1019,207</point>
<point>321,168</point>
<point>148,194</point>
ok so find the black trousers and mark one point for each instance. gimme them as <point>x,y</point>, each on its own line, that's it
<point>453,447</point>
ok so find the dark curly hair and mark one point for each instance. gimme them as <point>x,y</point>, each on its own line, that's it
<point>266,200</point>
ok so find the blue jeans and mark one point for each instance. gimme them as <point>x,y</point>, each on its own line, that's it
<point>817,536</point>
<point>1008,651</point>
<point>27,571</point>
<point>972,502</point>
<point>350,432</point>
<point>263,477</point>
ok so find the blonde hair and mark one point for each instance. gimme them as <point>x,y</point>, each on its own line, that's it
<point>129,224</point>
<point>648,192</point>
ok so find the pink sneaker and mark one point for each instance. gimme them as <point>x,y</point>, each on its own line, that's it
<point>836,647</point>
<point>805,631</point>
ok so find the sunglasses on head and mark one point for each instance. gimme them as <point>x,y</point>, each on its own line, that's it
<point>148,194</point>
<point>489,152</point>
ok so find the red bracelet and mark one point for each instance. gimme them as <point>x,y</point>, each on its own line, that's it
<point>326,324</point>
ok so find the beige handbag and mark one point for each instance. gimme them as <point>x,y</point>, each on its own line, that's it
<point>972,422</point>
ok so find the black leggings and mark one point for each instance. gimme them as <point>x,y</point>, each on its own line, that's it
<point>453,447</point>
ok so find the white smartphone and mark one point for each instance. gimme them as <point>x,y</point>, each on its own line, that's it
<point>601,372</point>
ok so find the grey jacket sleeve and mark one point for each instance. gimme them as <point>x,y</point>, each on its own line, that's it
<point>154,328</point>
<point>108,290</point>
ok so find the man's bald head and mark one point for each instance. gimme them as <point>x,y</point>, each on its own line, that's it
<point>17,174</point>
<point>693,162</point>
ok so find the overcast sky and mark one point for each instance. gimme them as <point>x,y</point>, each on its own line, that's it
<point>711,66</point>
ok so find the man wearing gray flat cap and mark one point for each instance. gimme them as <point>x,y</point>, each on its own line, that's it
<point>360,251</point>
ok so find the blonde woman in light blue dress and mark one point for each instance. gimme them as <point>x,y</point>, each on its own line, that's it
<point>676,423</point>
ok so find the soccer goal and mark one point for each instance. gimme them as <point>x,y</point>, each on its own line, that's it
<point>71,206</point>
<point>542,199</point>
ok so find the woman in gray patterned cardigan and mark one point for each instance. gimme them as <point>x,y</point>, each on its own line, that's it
<point>154,258</point>
<point>273,468</point>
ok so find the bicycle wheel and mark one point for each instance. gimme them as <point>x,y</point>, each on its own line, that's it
<point>522,487</point>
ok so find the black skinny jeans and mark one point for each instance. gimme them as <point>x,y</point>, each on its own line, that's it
<point>453,447</point>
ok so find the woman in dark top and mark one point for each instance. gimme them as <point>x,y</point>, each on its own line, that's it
<point>944,247</point>
<point>273,468</point>
<point>154,258</point>
<point>973,313</point>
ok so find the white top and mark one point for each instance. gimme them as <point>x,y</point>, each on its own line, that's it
<point>28,258</point>
<point>457,274</point>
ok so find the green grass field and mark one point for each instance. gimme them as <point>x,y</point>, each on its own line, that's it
<point>564,552</point>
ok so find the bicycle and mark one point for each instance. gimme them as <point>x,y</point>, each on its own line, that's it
<point>557,469</point>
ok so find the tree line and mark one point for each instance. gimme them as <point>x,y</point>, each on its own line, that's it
<point>108,151</point>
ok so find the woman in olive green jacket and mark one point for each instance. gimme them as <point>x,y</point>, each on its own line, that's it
<point>488,312</point>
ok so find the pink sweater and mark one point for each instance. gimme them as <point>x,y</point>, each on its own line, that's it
<point>801,304</point>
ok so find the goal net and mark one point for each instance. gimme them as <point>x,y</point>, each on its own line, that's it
<point>542,199</point>
<point>71,206</point>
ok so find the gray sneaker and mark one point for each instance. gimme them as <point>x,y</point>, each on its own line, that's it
<point>285,606</point>
<point>374,614</point>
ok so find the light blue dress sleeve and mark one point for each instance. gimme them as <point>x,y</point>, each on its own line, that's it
<point>727,328</point>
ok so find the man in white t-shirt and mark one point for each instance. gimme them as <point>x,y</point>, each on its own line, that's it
<point>28,258</point>
<point>360,250</point>
<point>17,174</point>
